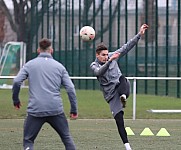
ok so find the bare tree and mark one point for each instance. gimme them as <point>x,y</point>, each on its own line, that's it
<point>149,16</point>
<point>21,18</point>
<point>24,11</point>
<point>88,4</point>
<point>2,20</point>
<point>20,21</point>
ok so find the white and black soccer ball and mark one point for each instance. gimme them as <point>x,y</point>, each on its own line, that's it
<point>87,33</point>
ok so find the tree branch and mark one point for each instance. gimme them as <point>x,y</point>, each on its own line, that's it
<point>16,11</point>
<point>87,5</point>
<point>8,15</point>
<point>41,13</point>
<point>96,13</point>
<point>107,26</point>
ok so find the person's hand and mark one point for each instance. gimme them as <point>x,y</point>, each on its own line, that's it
<point>143,28</point>
<point>114,56</point>
<point>73,116</point>
<point>17,105</point>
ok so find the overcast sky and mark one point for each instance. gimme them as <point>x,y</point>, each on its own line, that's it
<point>9,3</point>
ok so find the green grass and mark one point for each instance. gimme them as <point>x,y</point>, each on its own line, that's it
<point>95,134</point>
<point>95,128</point>
<point>92,105</point>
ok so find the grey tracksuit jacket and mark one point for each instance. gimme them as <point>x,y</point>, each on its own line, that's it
<point>108,74</point>
<point>45,76</point>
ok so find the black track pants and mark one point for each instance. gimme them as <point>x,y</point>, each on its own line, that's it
<point>120,125</point>
<point>124,86</point>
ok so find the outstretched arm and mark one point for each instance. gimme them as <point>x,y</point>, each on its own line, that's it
<point>130,44</point>
<point>143,28</point>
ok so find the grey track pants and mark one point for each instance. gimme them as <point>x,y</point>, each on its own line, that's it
<point>32,126</point>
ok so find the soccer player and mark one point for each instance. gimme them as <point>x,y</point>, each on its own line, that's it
<point>45,77</point>
<point>114,85</point>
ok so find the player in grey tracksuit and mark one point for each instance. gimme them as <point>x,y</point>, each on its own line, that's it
<point>115,87</point>
<point>45,77</point>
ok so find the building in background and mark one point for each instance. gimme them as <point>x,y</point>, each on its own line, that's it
<point>69,26</point>
<point>6,32</point>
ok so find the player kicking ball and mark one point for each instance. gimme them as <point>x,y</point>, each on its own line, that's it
<point>115,87</point>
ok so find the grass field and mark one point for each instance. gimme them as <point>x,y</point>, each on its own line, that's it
<point>91,105</point>
<point>95,134</point>
<point>95,128</point>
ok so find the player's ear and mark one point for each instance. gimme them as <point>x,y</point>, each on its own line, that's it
<point>51,50</point>
<point>97,55</point>
<point>38,50</point>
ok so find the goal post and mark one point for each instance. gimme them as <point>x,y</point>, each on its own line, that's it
<point>13,57</point>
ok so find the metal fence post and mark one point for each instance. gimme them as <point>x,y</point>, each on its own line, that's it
<point>134,98</point>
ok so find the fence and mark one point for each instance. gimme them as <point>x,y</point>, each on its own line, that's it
<point>115,22</point>
<point>134,86</point>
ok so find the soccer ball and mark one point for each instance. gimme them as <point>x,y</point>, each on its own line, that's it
<point>87,33</point>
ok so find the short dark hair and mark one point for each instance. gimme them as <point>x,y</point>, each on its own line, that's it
<point>44,44</point>
<point>101,46</point>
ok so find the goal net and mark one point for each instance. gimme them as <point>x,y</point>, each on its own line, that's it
<point>12,58</point>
